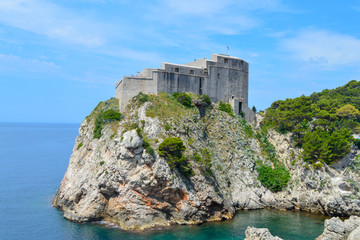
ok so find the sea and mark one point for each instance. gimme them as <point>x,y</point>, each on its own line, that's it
<point>33,161</point>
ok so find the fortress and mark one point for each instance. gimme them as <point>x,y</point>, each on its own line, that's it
<point>223,78</point>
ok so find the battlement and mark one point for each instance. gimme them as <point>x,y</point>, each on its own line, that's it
<point>222,78</point>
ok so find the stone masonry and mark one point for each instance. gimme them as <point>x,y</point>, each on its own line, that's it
<point>223,78</point>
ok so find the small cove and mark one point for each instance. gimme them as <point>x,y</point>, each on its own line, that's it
<point>34,159</point>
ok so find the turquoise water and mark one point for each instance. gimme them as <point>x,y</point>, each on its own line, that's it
<point>34,158</point>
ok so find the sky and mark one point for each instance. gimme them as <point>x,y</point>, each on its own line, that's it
<point>58,59</point>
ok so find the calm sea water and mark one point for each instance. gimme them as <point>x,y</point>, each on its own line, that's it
<point>34,158</point>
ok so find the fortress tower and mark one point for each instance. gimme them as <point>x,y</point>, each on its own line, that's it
<point>223,78</point>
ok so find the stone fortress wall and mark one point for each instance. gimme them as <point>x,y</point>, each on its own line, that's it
<point>223,78</point>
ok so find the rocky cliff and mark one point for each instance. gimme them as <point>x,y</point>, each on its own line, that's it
<point>120,177</point>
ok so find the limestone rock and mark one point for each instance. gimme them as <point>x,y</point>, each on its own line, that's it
<point>335,229</point>
<point>132,140</point>
<point>355,234</point>
<point>253,233</point>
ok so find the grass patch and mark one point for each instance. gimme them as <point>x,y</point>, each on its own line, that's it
<point>164,106</point>
<point>79,145</point>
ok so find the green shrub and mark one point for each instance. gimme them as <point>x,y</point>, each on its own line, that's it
<point>146,144</point>
<point>80,145</point>
<point>139,132</point>
<point>183,98</point>
<point>102,163</point>
<point>143,98</point>
<point>267,148</point>
<point>167,127</point>
<point>249,133</point>
<point>206,99</point>
<point>171,149</point>
<point>317,165</point>
<point>204,160</point>
<point>103,118</point>
<point>140,99</point>
<point>357,143</point>
<point>148,148</point>
<point>134,126</point>
<point>273,179</point>
<point>226,107</point>
<point>97,129</point>
<point>197,157</point>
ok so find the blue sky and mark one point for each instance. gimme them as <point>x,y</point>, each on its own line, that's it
<point>58,59</point>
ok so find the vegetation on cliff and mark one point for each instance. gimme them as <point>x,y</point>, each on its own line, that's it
<point>171,149</point>
<point>275,178</point>
<point>321,123</point>
<point>184,114</point>
<point>105,113</point>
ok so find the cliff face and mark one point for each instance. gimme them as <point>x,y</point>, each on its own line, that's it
<point>326,190</point>
<point>115,178</point>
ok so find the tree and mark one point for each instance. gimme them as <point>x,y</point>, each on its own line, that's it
<point>254,109</point>
<point>326,146</point>
<point>171,149</point>
<point>348,111</point>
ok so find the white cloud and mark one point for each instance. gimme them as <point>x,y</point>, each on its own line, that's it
<point>323,48</point>
<point>51,20</point>
<point>16,64</point>
<point>202,7</point>
<point>205,7</point>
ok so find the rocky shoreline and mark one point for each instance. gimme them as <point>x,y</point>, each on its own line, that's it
<point>335,229</point>
<point>115,179</point>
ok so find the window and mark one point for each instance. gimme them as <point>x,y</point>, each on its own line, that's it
<point>226,60</point>
<point>191,71</point>
<point>176,69</point>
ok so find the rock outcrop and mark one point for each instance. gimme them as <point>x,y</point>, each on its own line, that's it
<point>115,178</point>
<point>259,234</point>
<point>335,229</point>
